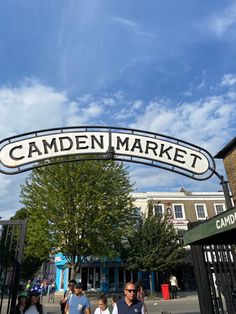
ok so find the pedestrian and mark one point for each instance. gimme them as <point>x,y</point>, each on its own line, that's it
<point>140,291</point>
<point>22,303</point>
<point>173,286</point>
<point>34,306</point>
<point>51,291</point>
<point>102,306</point>
<point>78,303</point>
<point>28,287</point>
<point>70,290</point>
<point>140,294</point>
<point>129,303</point>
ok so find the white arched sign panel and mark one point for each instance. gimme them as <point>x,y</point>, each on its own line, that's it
<point>24,152</point>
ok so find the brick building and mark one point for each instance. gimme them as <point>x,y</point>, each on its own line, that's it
<point>184,206</point>
<point>228,154</point>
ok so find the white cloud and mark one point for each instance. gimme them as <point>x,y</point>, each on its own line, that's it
<point>188,93</point>
<point>125,22</point>
<point>32,106</point>
<point>222,22</point>
<point>28,107</point>
<point>134,27</point>
<point>137,104</point>
<point>228,80</point>
<point>207,122</point>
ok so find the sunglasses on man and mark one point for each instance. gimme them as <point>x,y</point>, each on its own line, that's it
<point>131,290</point>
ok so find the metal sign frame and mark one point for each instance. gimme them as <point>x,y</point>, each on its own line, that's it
<point>121,144</point>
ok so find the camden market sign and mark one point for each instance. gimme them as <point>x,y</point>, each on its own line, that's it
<point>24,152</point>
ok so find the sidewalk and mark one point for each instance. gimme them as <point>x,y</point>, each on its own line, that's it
<point>181,295</point>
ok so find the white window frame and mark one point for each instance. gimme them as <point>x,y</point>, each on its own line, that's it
<point>183,211</point>
<point>205,211</point>
<point>162,209</point>
<point>224,208</point>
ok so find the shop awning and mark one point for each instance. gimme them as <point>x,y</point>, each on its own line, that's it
<point>220,229</point>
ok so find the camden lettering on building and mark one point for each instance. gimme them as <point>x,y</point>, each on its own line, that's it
<point>48,146</point>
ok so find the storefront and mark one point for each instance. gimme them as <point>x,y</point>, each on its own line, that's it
<point>95,275</point>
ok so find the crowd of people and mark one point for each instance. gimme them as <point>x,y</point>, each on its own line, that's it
<point>75,302</point>
<point>44,287</point>
<point>36,290</point>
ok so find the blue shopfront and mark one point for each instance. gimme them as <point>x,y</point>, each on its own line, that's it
<point>96,275</point>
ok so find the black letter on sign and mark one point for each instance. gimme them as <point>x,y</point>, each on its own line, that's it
<point>177,155</point>
<point>33,149</point>
<point>195,159</point>
<point>95,140</point>
<point>165,151</point>
<point>12,150</point>
<point>125,142</point>
<point>61,139</point>
<point>137,145</point>
<point>148,146</point>
<point>47,145</point>
<point>79,141</point>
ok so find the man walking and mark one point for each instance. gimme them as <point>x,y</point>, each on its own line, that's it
<point>129,303</point>
<point>67,294</point>
<point>78,303</point>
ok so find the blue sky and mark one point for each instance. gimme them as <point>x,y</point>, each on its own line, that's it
<point>162,66</point>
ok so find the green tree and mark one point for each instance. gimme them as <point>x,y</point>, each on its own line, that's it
<point>79,208</point>
<point>153,245</point>
<point>32,258</point>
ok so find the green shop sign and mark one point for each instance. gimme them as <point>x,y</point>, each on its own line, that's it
<point>215,230</point>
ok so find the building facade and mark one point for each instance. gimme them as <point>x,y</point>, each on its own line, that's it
<point>183,206</point>
<point>228,154</point>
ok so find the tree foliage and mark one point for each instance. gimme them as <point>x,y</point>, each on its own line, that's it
<point>78,208</point>
<point>154,245</point>
<point>34,253</point>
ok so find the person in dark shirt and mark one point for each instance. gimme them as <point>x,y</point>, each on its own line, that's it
<point>129,303</point>
<point>21,305</point>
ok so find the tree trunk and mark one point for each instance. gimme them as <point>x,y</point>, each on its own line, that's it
<point>73,268</point>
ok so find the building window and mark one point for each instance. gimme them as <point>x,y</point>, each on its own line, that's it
<point>179,211</point>
<point>201,211</point>
<point>158,210</point>
<point>219,208</point>
<point>180,233</point>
